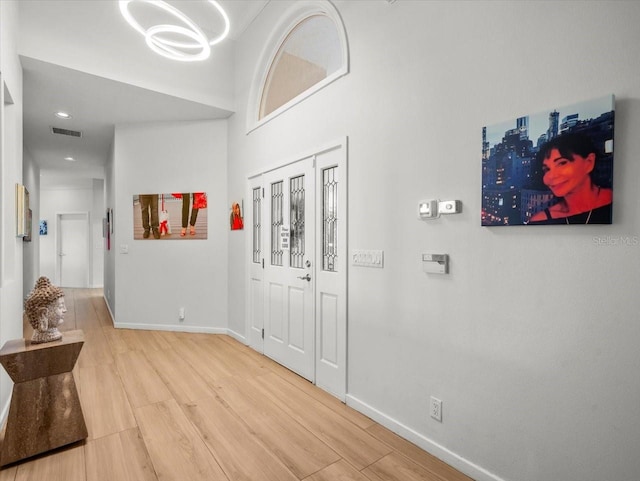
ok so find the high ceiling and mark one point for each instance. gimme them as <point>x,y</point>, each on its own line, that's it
<point>99,104</point>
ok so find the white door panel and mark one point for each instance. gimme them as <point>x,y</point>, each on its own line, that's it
<point>329,325</point>
<point>289,304</point>
<point>297,288</point>
<point>275,315</point>
<point>297,316</point>
<point>331,274</point>
<point>73,250</point>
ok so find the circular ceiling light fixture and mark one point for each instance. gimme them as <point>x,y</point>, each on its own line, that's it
<point>70,159</point>
<point>161,38</point>
<point>63,115</point>
<point>161,47</point>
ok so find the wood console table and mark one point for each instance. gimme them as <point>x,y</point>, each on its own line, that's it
<point>45,411</point>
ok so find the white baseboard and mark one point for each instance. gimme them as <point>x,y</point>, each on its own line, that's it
<point>106,302</point>
<point>171,327</point>
<point>238,337</point>
<point>452,459</point>
<point>165,327</point>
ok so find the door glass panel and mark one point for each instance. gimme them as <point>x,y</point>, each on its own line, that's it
<point>330,219</point>
<point>257,225</point>
<point>276,223</point>
<point>296,193</point>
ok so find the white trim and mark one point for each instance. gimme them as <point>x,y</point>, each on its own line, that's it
<point>313,153</point>
<point>238,337</point>
<point>298,12</point>
<point>325,147</point>
<point>176,328</point>
<point>106,303</point>
<point>452,459</point>
<point>179,328</point>
<point>171,327</point>
<point>292,159</point>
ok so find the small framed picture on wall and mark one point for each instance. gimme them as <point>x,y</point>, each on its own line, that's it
<point>235,218</point>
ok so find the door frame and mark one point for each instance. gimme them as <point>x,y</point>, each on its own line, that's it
<point>256,179</point>
<point>85,215</point>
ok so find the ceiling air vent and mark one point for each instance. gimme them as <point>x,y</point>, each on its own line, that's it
<point>70,133</point>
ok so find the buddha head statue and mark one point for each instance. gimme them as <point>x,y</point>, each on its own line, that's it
<point>45,310</point>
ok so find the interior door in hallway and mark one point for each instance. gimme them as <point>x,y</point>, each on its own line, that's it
<point>73,250</point>
<point>288,274</point>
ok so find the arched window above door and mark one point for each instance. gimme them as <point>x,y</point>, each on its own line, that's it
<point>306,53</point>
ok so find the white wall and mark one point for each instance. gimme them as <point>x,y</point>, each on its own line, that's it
<point>87,196</point>
<point>157,277</point>
<point>532,340</point>
<point>31,250</point>
<point>109,255</point>
<point>93,37</point>
<point>11,247</point>
<point>98,243</point>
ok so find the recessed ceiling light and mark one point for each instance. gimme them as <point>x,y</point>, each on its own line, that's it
<point>70,159</point>
<point>63,115</point>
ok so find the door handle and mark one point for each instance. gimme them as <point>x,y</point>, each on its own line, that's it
<point>305,278</point>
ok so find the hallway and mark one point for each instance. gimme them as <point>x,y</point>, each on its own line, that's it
<point>181,406</point>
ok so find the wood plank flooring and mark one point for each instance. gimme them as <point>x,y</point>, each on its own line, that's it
<point>164,406</point>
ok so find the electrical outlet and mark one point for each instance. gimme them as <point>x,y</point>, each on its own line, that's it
<point>435,409</point>
<point>181,314</point>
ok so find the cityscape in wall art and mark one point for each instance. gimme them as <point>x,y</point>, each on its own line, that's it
<point>552,167</point>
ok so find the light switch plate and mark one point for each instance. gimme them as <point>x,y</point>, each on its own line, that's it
<point>367,258</point>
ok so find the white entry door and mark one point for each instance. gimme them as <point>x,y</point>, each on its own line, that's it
<point>288,272</point>
<point>297,274</point>
<point>73,250</point>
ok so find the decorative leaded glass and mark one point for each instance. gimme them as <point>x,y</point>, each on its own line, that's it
<point>276,223</point>
<point>330,219</point>
<point>296,191</point>
<point>257,224</point>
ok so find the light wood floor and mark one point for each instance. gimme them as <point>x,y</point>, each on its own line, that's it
<point>164,406</point>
